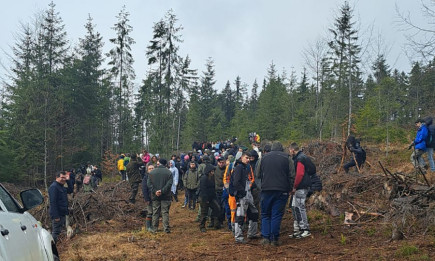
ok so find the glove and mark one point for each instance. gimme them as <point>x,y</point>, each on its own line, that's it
<point>410,146</point>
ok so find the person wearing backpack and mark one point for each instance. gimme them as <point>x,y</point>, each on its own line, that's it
<point>302,183</point>
<point>430,142</point>
<point>133,172</point>
<point>419,144</point>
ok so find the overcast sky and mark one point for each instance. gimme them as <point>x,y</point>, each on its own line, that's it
<point>242,36</point>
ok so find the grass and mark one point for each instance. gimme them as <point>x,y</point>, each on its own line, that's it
<point>407,250</point>
<point>343,239</point>
<point>371,232</point>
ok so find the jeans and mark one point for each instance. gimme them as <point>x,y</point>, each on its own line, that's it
<point>299,211</point>
<point>226,207</point>
<point>417,158</point>
<point>429,152</point>
<point>57,227</point>
<point>272,211</point>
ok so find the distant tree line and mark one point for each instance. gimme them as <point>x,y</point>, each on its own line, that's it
<point>63,105</point>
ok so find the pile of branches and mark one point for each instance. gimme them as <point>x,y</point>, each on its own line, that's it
<point>108,202</point>
<point>412,208</point>
<point>406,201</point>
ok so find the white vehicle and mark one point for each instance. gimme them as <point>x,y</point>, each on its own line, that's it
<point>21,235</point>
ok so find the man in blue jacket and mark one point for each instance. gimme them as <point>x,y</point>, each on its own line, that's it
<point>419,144</point>
<point>58,203</point>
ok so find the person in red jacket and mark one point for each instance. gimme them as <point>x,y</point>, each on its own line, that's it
<point>302,183</point>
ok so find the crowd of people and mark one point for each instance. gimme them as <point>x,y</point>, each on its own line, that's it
<point>231,187</point>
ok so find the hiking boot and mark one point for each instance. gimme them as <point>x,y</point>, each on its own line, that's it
<point>253,236</point>
<point>167,231</point>
<point>203,230</point>
<point>275,243</point>
<point>183,206</point>
<point>210,225</point>
<point>243,241</point>
<point>304,234</point>
<point>265,242</point>
<point>295,234</point>
<point>218,226</point>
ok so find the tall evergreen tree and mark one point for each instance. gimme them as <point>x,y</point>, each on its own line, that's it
<point>122,70</point>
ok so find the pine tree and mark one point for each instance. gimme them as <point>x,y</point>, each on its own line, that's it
<point>122,70</point>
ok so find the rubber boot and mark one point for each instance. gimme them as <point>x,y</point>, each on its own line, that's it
<point>148,224</point>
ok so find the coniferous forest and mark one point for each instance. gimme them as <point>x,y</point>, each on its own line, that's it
<point>68,104</point>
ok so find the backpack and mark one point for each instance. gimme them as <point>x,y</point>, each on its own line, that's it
<point>88,171</point>
<point>87,180</point>
<point>310,168</point>
<point>316,185</point>
<point>430,139</point>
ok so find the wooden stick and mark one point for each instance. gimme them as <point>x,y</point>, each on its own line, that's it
<point>356,163</point>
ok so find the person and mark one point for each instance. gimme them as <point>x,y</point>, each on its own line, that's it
<point>159,184</point>
<point>133,174</point>
<point>301,185</point>
<point>153,161</point>
<point>219,186</point>
<point>419,144</point>
<point>58,210</point>
<point>244,200</point>
<point>98,176</point>
<point>230,204</point>
<point>121,167</point>
<point>175,177</point>
<point>208,199</point>
<point>276,170</point>
<point>145,157</point>
<point>147,197</point>
<point>430,146</point>
<point>191,181</point>
<point>353,145</point>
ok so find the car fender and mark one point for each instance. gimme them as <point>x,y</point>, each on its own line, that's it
<point>47,243</point>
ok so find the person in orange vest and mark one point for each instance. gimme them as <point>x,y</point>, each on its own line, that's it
<point>230,206</point>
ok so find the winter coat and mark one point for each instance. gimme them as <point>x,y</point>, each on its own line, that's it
<point>218,178</point>
<point>160,179</point>
<point>276,170</point>
<point>420,139</point>
<point>207,190</point>
<point>133,171</point>
<point>121,165</point>
<point>240,177</point>
<point>191,179</point>
<point>58,200</point>
<point>301,178</point>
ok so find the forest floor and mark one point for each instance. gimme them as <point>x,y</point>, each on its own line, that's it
<point>331,240</point>
<point>109,228</point>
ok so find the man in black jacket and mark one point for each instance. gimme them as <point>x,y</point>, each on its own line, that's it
<point>159,184</point>
<point>208,199</point>
<point>245,202</point>
<point>275,170</point>
<point>58,203</point>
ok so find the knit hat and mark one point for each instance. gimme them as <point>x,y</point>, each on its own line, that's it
<point>163,161</point>
<point>208,168</point>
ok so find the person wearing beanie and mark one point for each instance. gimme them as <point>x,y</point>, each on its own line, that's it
<point>159,185</point>
<point>208,199</point>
